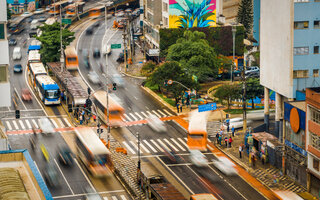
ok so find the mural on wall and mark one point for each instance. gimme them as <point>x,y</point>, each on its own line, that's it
<point>192,13</point>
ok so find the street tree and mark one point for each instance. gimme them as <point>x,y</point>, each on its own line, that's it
<point>254,89</point>
<point>245,15</point>
<point>195,55</point>
<point>228,93</point>
<point>172,70</point>
<point>148,68</point>
<point>50,39</point>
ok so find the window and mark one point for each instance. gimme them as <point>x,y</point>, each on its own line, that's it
<point>300,73</point>
<point>2,31</point>
<point>165,22</point>
<point>3,73</point>
<point>316,24</point>
<point>316,164</point>
<point>300,51</point>
<point>301,25</point>
<point>315,115</point>
<point>316,73</point>
<point>165,7</point>
<point>314,140</point>
<point>316,49</point>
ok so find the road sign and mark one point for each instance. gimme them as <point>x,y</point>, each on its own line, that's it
<point>207,107</point>
<point>115,46</point>
<point>66,21</point>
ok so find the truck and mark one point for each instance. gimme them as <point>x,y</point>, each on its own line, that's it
<point>155,186</point>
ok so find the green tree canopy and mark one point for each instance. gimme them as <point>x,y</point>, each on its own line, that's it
<point>254,89</point>
<point>195,55</point>
<point>172,70</point>
<point>227,93</point>
<point>148,68</point>
<point>245,15</point>
<point>50,39</point>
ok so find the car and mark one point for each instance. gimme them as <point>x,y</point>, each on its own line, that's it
<point>235,122</point>
<point>225,166</point>
<point>48,8</point>
<point>26,95</point>
<point>156,124</point>
<point>17,68</point>
<point>12,42</point>
<point>34,24</point>
<point>46,126</point>
<point>65,155</point>
<point>39,11</point>
<point>89,31</point>
<point>198,159</point>
<point>94,77</point>
<point>106,49</point>
<point>121,25</point>
<point>97,24</point>
<point>16,54</point>
<point>117,79</point>
<point>42,19</point>
<point>252,69</point>
<point>253,75</point>
<point>96,53</point>
<point>121,57</point>
<point>50,175</point>
<point>16,30</point>
<point>26,14</point>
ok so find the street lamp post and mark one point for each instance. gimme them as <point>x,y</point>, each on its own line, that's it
<point>66,92</point>
<point>61,49</point>
<point>234,30</point>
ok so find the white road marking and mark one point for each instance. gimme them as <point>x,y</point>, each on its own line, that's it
<point>144,114</point>
<point>22,125</point>
<point>94,190</point>
<point>15,89</point>
<point>164,115</point>
<point>123,119</point>
<point>67,122</point>
<point>186,139</point>
<point>28,124</point>
<point>35,123</point>
<point>63,176</point>
<point>15,125</point>
<point>155,144</point>
<point>156,113</point>
<point>128,147</point>
<point>165,146</point>
<point>135,146</point>
<point>123,197</point>
<point>183,142</point>
<point>170,144</point>
<point>147,108</point>
<point>60,122</point>
<point>105,198</point>
<point>174,141</point>
<point>145,149</point>
<point>127,117</point>
<point>167,112</point>
<point>38,169</point>
<point>8,125</point>
<point>145,141</point>
<point>54,123</point>
<point>135,119</point>
<point>148,112</point>
<point>139,115</point>
<point>114,198</point>
<point>135,97</point>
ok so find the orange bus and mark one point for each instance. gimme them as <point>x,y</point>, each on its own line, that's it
<point>95,12</point>
<point>116,111</point>
<point>73,8</point>
<point>203,196</point>
<point>93,153</point>
<point>72,62</point>
<point>197,137</point>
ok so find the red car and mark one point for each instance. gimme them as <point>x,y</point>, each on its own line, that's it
<point>26,95</point>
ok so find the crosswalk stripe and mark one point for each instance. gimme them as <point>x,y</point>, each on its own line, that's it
<point>15,125</point>
<point>114,198</point>
<point>135,119</point>
<point>105,198</point>
<point>60,122</point>
<point>183,142</point>
<point>156,113</point>
<point>170,144</point>
<point>9,125</point>
<point>165,146</point>
<point>145,149</point>
<point>21,124</point>
<point>127,117</point>
<point>145,114</point>
<point>66,121</point>
<point>167,112</point>
<point>139,115</point>
<point>173,140</point>
<point>123,119</point>
<point>164,115</point>
<point>186,139</point>
<point>135,146</point>
<point>28,124</point>
<point>145,141</point>
<point>35,123</point>
<point>155,144</point>
<point>148,112</point>
<point>128,147</point>
<point>54,123</point>
<point>123,197</point>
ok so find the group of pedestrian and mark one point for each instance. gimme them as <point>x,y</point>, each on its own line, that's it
<point>228,141</point>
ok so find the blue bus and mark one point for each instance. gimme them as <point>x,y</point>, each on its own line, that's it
<point>48,90</point>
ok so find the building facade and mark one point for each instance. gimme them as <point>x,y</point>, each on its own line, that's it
<point>313,139</point>
<point>5,100</point>
<point>20,6</point>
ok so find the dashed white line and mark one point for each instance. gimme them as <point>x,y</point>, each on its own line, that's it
<point>67,122</point>
<point>63,176</point>
<point>35,123</point>
<point>127,117</point>
<point>183,142</point>
<point>54,123</point>
<point>123,197</point>
<point>59,121</point>
<point>114,198</point>
<point>164,115</point>
<point>165,146</point>
<point>94,190</point>
<point>167,112</point>
<point>28,124</point>
<point>139,115</point>
<point>145,114</point>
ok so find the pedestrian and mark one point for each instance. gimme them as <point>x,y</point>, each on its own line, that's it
<point>94,118</point>
<point>263,159</point>
<point>228,127</point>
<point>181,108</point>
<point>230,141</point>
<point>226,141</point>
<point>62,95</point>
<point>220,139</point>
<point>178,107</point>
<point>81,119</point>
<point>253,159</point>
<point>217,136</point>
<point>233,130</point>
<point>240,150</point>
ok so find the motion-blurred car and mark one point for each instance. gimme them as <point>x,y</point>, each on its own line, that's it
<point>26,95</point>
<point>12,42</point>
<point>117,78</point>
<point>121,57</point>
<point>94,77</point>
<point>96,53</point>
<point>236,123</point>
<point>85,53</point>
<point>25,14</point>
<point>50,175</point>
<point>198,159</point>
<point>42,19</point>
<point>46,126</point>
<point>17,68</point>
<point>16,54</point>
<point>65,155</point>
<point>156,124</point>
<point>225,166</point>
<point>89,31</point>
<point>39,11</point>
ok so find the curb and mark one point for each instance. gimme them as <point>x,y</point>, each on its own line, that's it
<point>132,76</point>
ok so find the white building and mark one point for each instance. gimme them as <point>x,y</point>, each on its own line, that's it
<point>5,100</point>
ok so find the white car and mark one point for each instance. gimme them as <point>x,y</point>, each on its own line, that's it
<point>198,159</point>
<point>236,123</point>
<point>34,24</point>
<point>252,69</point>
<point>94,77</point>
<point>39,11</point>
<point>225,166</point>
<point>46,126</point>
<point>156,124</point>
<point>117,78</point>
<point>106,49</point>
<point>26,14</point>
<point>16,55</point>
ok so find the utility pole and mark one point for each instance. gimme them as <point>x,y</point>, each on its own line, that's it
<point>129,38</point>
<point>244,100</point>
<point>61,48</point>
<point>54,8</point>
<point>125,49</point>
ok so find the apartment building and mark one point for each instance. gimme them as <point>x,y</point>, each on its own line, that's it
<point>5,100</point>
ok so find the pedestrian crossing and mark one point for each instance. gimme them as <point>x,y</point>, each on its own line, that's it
<point>120,197</point>
<point>153,146</point>
<point>142,115</point>
<point>28,123</point>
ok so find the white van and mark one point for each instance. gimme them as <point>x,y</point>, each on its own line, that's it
<point>34,24</point>
<point>16,55</point>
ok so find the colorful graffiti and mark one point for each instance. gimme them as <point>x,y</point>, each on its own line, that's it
<point>192,13</point>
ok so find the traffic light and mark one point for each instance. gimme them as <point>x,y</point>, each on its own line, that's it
<point>114,86</point>
<point>101,130</point>
<point>17,114</point>
<point>89,91</point>
<point>166,83</point>
<point>88,103</point>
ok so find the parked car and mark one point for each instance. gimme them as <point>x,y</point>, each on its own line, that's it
<point>26,95</point>
<point>17,68</point>
<point>12,42</point>
<point>96,53</point>
<point>225,166</point>
<point>252,69</point>
<point>16,55</point>
<point>156,124</point>
<point>198,159</point>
